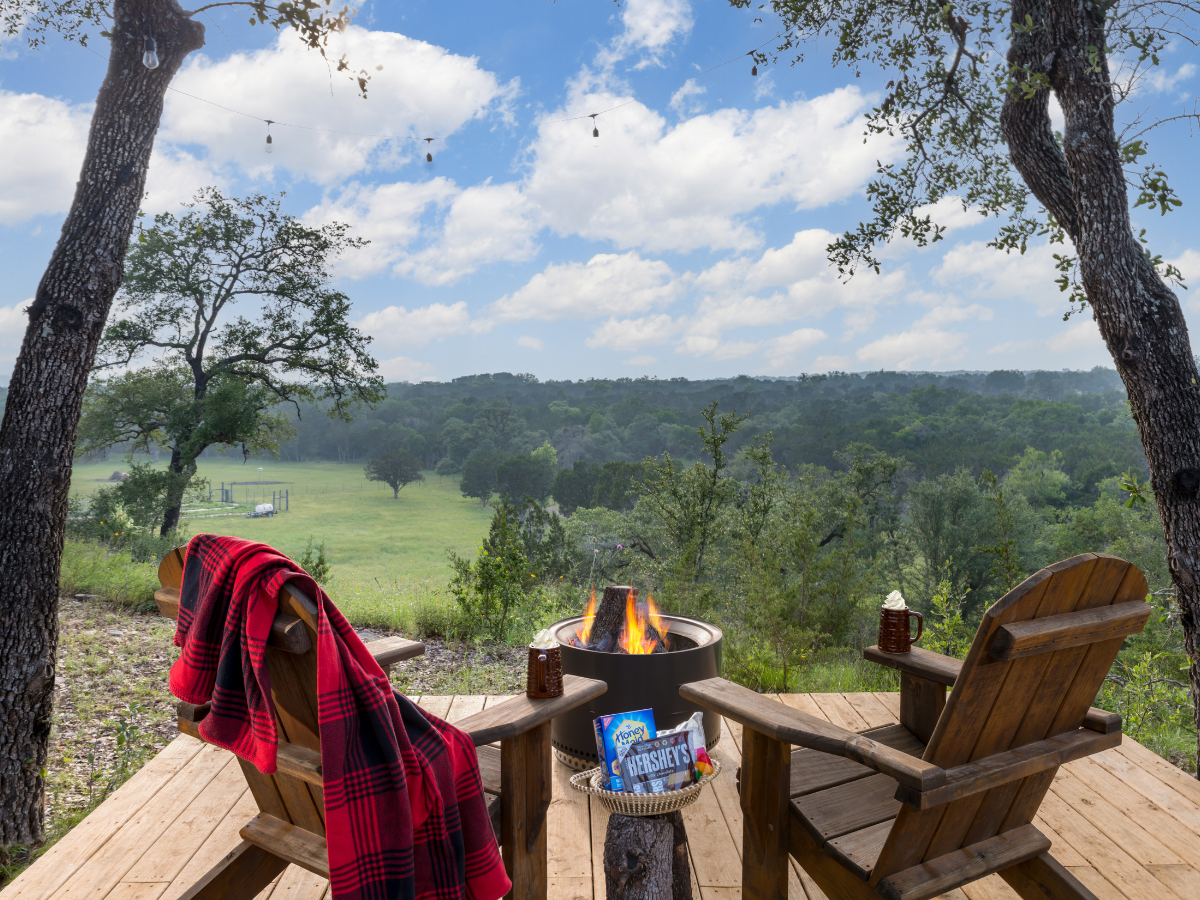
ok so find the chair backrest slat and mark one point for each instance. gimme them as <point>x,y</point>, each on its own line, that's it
<point>1001,704</point>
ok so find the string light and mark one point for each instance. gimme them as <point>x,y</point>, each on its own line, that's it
<point>150,50</point>
<point>150,61</point>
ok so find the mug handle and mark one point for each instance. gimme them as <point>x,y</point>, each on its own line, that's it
<point>920,625</point>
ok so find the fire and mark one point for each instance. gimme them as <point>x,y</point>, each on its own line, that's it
<point>636,637</point>
<point>589,617</point>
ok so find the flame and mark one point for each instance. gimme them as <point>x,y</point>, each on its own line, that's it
<point>655,619</point>
<point>589,617</point>
<point>636,636</point>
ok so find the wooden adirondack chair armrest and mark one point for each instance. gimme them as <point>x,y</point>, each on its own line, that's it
<point>1011,765</point>
<point>391,650</point>
<point>791,726</point>
<point>919,663</point>
<point>520,714</point>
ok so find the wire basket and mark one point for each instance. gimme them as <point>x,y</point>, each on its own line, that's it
<point>641,804</point>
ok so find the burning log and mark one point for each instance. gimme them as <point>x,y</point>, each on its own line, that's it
<point>621,626</point>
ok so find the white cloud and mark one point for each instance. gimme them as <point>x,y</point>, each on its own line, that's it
<point>41,154</point>
<point>1082,334</point>
<point>459,230</point>
<point>650,185</point>
<point>12,331</point>
<point>402,368</point>
<point>781,351</point>
<point>608,284</point>
<point>422,91</point>
<point>1161,81</point>
<point>530,343</point>
<point>649,26</point>
<point>633,334</point>
<point>484,224</point>
<point>396,328</point>
<point>928,347</point>
<point>685,101</point>
<point>978,270</point>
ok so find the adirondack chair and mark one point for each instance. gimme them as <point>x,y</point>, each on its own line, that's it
<point>290,826</point>
<point>911,811</point>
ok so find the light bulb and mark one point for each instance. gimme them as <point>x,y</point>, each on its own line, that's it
<point>428,157</point>
<point>595,132</point>
<point>150,54</point>
<point>754,69</point>
<point>269,142</point>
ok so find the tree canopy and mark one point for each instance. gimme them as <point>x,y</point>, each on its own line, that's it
<point>396,469</point>
<point>218,374</point>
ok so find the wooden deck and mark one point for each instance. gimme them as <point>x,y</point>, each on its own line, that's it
<point>1125,822</point>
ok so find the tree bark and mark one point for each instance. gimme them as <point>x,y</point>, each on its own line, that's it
<point>645,858</point>
<point>37,437</point>
<point>1083,186</point>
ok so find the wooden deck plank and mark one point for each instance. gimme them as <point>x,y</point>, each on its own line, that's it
<point>1132,807</point>
<point>1062,851</point>
<point>1126,874</point>
<point>1146,783</point>
<point>1126,833</point>
<point>223,838</point>
<point>598,816</point>
<point>1171,775</point>
<point>300,884</point>
<point>126,890</point>
<point>1126,823</point>
<point>890,701</point>
<point>464,705</point>
<point>60,862</point>
<point>437,704</point>
<point>714,848</point>
<point>872,711</point>
<point>838,711</point>
<point>170,853</point>
<point>101,873</point>
<point>568,831</point>
<point>569,888</point>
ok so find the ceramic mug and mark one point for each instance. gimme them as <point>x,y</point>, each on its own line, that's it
<point>895,630</point>
<point>545,678</point>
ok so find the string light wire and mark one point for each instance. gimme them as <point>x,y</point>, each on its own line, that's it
<point>397,137</point>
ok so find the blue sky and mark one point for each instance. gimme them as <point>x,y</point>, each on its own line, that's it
<point>688,239</point>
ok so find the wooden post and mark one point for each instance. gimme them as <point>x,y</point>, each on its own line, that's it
<point>766,781</point>
<point>525,789</point>
<point>921,705</point>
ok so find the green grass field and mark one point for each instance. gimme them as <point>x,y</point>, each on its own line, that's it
<point>367,534</point>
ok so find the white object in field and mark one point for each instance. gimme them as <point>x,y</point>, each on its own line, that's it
<point>264,509</point>
<point>260,468</point>
<point>895,600</point>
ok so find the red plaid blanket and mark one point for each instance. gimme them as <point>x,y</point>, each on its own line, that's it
<point>405,815</point>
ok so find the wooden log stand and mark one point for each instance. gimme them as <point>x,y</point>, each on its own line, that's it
<point>645,858</point>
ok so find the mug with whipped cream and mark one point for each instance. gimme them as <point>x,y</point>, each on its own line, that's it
<point>544,678</point>
<point>895,628</point>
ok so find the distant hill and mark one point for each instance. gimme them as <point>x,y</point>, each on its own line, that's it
<point>938,421</point>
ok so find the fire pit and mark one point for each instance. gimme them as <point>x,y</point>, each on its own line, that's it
<point>643,657</point>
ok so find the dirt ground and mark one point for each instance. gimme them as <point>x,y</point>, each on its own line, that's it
<point>113,710</point>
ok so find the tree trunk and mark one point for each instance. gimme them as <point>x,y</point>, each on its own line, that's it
<point>1082,185</point>
<point>37,437</point>
<point>645,858</point>
<point>182,472</point>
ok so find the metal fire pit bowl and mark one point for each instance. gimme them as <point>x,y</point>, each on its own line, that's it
<point>636,682</point>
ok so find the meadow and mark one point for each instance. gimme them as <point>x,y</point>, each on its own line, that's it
<point>367,534</point>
